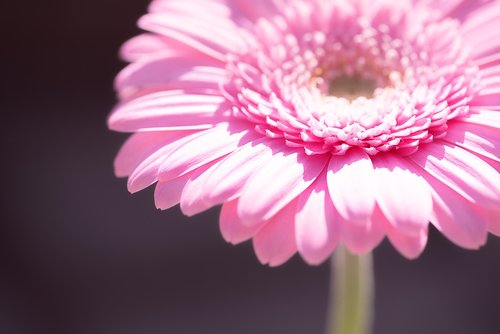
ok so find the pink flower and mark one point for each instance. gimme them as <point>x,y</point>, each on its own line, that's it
<point>318,122</point>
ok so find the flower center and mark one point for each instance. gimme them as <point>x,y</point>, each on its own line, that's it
<point>352,83</point>
<point>351,87</point>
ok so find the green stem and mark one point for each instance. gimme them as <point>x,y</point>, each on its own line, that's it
<point>351,295</point>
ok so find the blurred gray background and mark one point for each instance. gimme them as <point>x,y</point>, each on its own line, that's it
<point>80,255</point>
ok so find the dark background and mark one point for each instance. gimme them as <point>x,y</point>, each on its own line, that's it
<point>80,255</point>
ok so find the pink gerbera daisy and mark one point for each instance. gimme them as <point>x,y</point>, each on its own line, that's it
<point>318,122</point>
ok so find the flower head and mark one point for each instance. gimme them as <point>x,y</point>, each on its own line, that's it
<point>318,122</point>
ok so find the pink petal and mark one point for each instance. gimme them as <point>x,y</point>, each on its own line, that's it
<point>232,228</point>
<point>146,173</point>
<point>492,82</point>
<point>490,118</point>
<point>411,246</point>
<point>460,170</point>
<point>444,6</point>
<point>351,185</point>
<point>480,30</point>
<point>169,110</point>
<point>215,38</point>
<point>488,61</point>
<point>198,8</point>
<point>316,230</point>
<point>487,97</point>
<point>254,10</point>
<point>490,72</point>
<point>226,179</point>
<point>140,146</point>
<point>458,219</point>
<point>191,197</point>
<point>274,243</point>
<point>494,221</point>
<point>168,193</point>
<point>277,182</point>
<point>171,71</point>
<point>480,139</point>
<point>142,46</point>
<point>207,146</point>
<point>403,196</point>
<point>363,238</point>
<point>238,10</point>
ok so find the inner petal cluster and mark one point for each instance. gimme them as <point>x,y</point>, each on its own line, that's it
<point>349,81</point>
